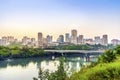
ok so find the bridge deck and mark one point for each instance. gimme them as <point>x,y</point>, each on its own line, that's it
<point>75,51</point>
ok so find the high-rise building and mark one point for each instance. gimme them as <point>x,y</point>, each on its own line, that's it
<point>33,40</point>
<point>97,40</point>
<point>26,40</point>
<point>9,39</point>
<point>105,40</point>
<point>115,42</point>
<point>67,37</point>
<point>44,43</point>
<point>74,36</point>
<point>88,41</point>
<point>3,42</point>
<point>49,39</point>
<point>80,39</point>
<point>4,38</point>
<point>40,39</point>
<point>60,39</point>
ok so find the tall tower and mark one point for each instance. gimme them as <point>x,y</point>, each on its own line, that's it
<point>49,39</point>
<point>67,37</point>
<point>97,40</point>
<point>80,39</point>
<point>105,40</point>
<point>60,39</point>
<point>40,39</point>
<point>74,36</point>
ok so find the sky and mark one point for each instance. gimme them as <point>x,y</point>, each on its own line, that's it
<point>54,17</point>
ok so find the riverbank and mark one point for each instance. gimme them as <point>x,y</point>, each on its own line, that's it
<point>25,52</point>
<point>106,68</point>
<point>27,68</point>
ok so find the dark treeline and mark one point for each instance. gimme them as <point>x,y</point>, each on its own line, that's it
<point>25,51</point>
<point>16,52</point>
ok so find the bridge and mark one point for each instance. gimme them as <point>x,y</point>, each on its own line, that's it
<point>87,54</point>
<point>75,51</point>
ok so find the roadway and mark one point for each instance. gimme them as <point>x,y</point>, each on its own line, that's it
<point>74,51</point>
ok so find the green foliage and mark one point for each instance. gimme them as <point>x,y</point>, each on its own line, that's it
<point>16,52</point>
<point>117,50</point>
<point>105,71</point>
<point>106,57</point>
<point>60,74</point>
<point>107,67</point>
<point>13,45</point>
<point>4,52</point>
<point>74,47</point>
<point>109,55</point>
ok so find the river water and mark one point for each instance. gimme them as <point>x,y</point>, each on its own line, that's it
<point>26,69</point>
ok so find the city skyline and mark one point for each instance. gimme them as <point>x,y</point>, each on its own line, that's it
<point>73,32</point>
<point>66,39</point>
<point>89,17</point>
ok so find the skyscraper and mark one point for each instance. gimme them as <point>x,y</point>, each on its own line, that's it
<point>80,39</point>
<point>33,42</point>
<point>74,36</point>
<point>40,39</point>
<point>67,37</point>
<point>105,40</point>
<point>25,40</point>
<point>60,39</point>
<point>97,40</point>
<point>49,39</point>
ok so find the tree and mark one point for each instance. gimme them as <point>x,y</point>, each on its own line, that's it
<point>60,74</point>
<point>108,56</point>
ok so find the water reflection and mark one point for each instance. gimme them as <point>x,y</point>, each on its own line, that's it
<point>28,68</point>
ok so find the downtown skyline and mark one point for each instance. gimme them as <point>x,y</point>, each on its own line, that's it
<point>67,39</point>
<point>55,37</point>
<point>89,17</point>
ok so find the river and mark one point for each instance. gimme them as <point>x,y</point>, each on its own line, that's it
<point>26,69</point>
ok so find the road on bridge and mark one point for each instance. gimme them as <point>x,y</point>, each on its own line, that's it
<point>75,51</point>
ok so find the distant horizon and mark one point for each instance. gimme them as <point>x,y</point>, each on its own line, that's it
<point>90,18</point>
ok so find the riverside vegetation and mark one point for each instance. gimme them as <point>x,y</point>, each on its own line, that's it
<point>19,51</point>
<point>16,52</point>
<point>60,74</point>
<point>106,68</point>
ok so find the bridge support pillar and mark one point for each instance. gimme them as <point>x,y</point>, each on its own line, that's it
<point>87,58</point>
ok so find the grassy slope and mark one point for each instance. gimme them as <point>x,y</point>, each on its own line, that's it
<point>102,71</point>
